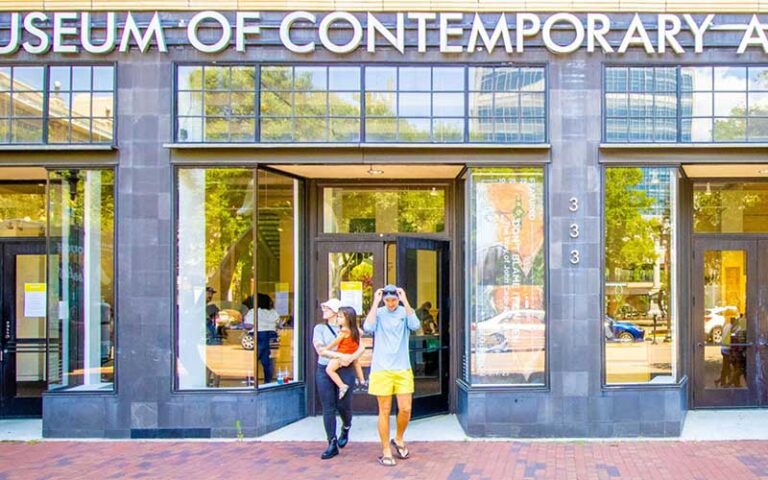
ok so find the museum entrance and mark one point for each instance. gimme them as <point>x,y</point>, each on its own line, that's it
<point>352,271</point>
<point>368,233</point>
<point>730,293</point>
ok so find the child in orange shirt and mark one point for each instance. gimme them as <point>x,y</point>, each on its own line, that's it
<point>347,341</point>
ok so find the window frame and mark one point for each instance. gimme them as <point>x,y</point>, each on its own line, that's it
<point>45,114</point>
<point>299,303</point>
<point>680,93</point>
<point>676,303</point>
<point>464,374</point>
<point>465,118</point>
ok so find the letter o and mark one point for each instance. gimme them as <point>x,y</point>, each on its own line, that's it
<point>357,32</point>
<point>566,18</point>
<point>221,43</point>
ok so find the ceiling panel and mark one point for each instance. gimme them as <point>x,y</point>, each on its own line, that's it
<point>389,172</point>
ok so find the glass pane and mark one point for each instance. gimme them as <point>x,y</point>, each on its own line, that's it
<point>356,271</point>
<point>102,130</point>
<point>5,79</point>
<point>380,130</point>
<point>616,129</point>
<point>730,104</point>
<point>481,79</point>
<point>277,130</point>
<point>217,78</point>
<point>104,78</point>
<point>215,278</point>
<point>344,78</point>
<point>616,104</point>
<point>311,104</point>
<point>387,210</point>
<point>81,78</point>
<point>696,130</point>
<point>757,130</point>
<point>616,79</point>
<point>102,104</point>
<point>380,104</point>
<point>190,103</point>
<point>733,79</point>
<point>310,78</point>
<point>276,292</point>
<point>27,130</point>
<point>448,104</point>
<point>243,78</point>
<point>639,326</point>
<point>381,78</point>
<point>311,130</point>
<point>414,104</point>
<point>190,130</point>
<point>666,79</point>
<point>413,79</point>
<point>758,104</point>
<point>414,129</point>
<point>697,104</point>
<point>344,130</point>
<point>758,78</point>
<point>641,79</point>
<point>423,288</point>
<point>278,104</point>
<point>22,209</point>
<point>532,79</point>
<point>730,207</point>
<point>725,324</point>
<point>59,105</point>
<point>276,78</point>
<point>448,129</point>
<point>30,312</point>
<point>216,130</point>
<point>60,79</point>
<point>344,104</point>
<point>448,79</point>
<point>665,105</point>
<point>506,307</point>
<point>81,288</point>
<point>730,130</point>
<point>28,78</point>
<point>532,104</point>
<point>696,78</point>
<point>190,78</point>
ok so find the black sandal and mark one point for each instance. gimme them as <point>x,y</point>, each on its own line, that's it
<point>386,461</point>
<point>401,452</point>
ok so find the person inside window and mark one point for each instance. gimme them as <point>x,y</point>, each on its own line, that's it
<point>267,322</point>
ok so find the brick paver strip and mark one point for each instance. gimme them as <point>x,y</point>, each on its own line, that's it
<point>673,460</point>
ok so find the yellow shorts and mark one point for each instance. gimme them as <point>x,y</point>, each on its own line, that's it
<point>390,382</point>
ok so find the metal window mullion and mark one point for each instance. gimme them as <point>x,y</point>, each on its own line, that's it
<point>678,105</point>
<point>327,103</point>
<point>45,113</point>
<point>362,115</point>
<point>466,104</point>
<point>257,101</point>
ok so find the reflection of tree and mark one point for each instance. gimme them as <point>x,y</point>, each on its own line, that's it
<point>629,239</point>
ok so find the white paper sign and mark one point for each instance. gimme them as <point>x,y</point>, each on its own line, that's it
<point>281,299</point>
<point>34,300</point>
<point>352,295</point>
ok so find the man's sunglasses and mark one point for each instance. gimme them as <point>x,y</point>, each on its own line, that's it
<point>390,292</point>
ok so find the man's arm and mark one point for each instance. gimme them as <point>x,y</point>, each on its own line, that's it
<point>369,325</point>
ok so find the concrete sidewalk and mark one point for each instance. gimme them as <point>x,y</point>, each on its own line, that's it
<point>700,425</point>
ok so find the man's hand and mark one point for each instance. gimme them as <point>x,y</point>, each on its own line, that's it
<point>377,296</point>
<point>402,297</point>
<point>345,360</point>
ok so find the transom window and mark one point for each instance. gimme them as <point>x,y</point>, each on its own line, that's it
<point>686,104</point>
<point>354,103</point>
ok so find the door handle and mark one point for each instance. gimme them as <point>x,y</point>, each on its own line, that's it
<point>700,344</point>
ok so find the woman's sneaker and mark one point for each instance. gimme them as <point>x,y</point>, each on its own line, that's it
<point>343,391</point>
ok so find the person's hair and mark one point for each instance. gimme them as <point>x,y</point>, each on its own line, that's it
<point>351,316</point>
<point>263,301</point>
<point>248,302</point>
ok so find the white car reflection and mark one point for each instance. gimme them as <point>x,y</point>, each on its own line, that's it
<point>513,330</point>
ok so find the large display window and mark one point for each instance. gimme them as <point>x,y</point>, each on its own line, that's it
<point>640,319</point>
<point>506,300</point>
<point>237,271</point>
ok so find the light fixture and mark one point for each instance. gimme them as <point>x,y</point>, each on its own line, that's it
<point>375,171</point>
<point>433,192</point>
<point>763,171</point>
<point>709,190</point>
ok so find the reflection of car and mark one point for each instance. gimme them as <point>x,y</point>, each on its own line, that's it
<point>511,330</point>
<point>616,331</point>
<point>714,321</point>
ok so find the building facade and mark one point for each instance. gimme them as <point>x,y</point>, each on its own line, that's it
<point>574,202</point>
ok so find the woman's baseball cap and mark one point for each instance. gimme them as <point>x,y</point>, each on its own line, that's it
<point>332,304</point>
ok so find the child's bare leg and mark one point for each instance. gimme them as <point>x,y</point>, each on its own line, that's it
<point>334,365</point>
<point>359,371</point>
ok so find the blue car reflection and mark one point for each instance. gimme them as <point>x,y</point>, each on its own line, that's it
<point>625,332</point>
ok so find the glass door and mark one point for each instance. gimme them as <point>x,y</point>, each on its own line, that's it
<point>351,272</point>
<point>422,271</point>
<point>725,323</point>
<point>23,346</point>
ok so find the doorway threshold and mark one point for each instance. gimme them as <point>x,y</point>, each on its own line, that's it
<point>21,429</point>
<point>310,429</point>
<point>726,424</point>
